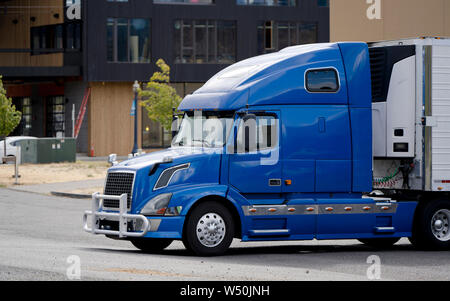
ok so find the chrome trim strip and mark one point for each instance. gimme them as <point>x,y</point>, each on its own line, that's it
<point>322,209</point>
<point>154,225</point>
<point>275,231</point>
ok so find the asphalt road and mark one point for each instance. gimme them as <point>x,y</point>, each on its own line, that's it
<point>38,234</point>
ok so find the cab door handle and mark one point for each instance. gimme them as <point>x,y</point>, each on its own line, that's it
<point>275,182</point>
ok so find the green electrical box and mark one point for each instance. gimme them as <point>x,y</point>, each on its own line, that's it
<point>47,150</point>
<point>56,150</point>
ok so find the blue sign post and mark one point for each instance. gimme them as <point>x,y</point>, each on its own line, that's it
<point>133,108</point>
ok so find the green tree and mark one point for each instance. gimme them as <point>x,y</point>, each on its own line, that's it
<point>159,97</point>
<point>9,117</point>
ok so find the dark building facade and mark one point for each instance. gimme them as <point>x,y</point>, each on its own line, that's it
<point>100,47</point>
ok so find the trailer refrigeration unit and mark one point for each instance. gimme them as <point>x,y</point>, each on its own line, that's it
<point>322,141</point>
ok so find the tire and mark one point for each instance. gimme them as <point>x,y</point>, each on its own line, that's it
<point>380,243</point>
<point>431,226</point>
<point>151,245</point>
<point>209,229</point>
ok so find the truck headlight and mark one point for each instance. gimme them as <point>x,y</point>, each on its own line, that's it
<point>157,205</point>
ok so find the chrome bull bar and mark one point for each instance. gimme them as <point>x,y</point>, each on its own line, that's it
<point>122,216</point>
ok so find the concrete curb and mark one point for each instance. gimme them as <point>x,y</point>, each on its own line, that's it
<point>71,195</point>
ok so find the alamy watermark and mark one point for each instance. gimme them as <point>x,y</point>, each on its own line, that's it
<point>73,271</point>
<point>244,133</point>
<point>374,10</point>
<point>374,270</point>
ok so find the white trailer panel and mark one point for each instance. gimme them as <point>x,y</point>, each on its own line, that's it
<point>441,113</point>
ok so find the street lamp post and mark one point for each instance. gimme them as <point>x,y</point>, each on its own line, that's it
<point>135,90</point>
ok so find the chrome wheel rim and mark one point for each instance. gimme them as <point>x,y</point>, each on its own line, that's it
<point>440,225</point>
<point>211,230</point>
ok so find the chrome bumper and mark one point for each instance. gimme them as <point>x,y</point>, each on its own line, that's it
<point>122,217</point>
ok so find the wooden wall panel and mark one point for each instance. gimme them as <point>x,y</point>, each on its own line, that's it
<point>413,18</point>
<point>348,22</point>
<point>447,18</point>
<point>399,19</point>
<point>111,128</point>
<point>45,14</point>
<point>18,35</point>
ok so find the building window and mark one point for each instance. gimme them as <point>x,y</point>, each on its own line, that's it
<point>274,36</point>
<point>56,38</point>
<point>47,39</point>
<point>72,36</point>
<point>184,1</point>
<point>23,104</point>
<point>204,41</point>
<point>153,134</point>
<point>267,2</point>
<point>55,125</point>
<point>128,40</point>
<point>26,116</point>
<point>322,80</point>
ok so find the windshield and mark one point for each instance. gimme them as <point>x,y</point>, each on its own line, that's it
<point>206,129</point>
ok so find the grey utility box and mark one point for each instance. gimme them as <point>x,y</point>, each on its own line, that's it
<point>28,151</point>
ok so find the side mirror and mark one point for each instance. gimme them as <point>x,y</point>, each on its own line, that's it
<point>175,125</point>
<point>112,159</point>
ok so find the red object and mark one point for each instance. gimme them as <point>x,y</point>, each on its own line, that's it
<point>51,89</point>
<point>82,113</point>
<point>18,90</point>
<point>161,211</point>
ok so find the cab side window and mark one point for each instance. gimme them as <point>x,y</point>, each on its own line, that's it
<point>257,134</point>
<point>322,80</point>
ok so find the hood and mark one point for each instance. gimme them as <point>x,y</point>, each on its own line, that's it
<point>179,155</point>
<point>203,168</point>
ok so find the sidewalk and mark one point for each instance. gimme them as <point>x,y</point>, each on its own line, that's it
<point>65,189</point>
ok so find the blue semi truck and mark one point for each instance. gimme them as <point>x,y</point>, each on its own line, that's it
<point>323,141</point>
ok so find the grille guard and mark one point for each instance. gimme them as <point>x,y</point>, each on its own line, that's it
<point>122,216</point>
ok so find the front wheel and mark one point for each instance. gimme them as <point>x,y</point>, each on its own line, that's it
<point>209,229</point>
<point>151,245</point>
<point>431,227</point>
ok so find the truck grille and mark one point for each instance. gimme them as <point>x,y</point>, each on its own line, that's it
<point>118,183</point>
